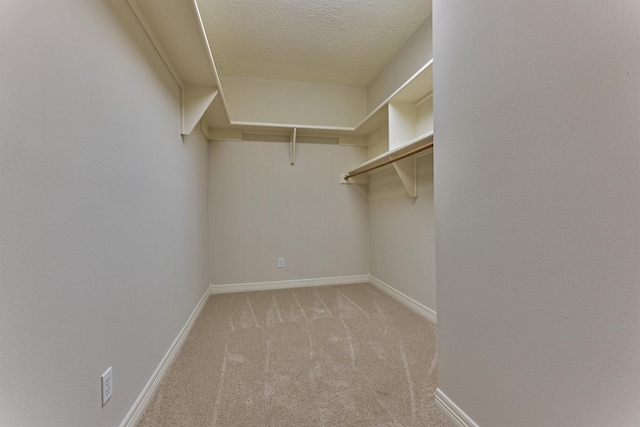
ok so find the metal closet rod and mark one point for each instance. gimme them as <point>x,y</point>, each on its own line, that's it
<point>393,160</point>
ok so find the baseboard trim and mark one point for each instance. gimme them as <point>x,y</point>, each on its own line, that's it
<point>288,284</point>
<point>134,414</point>
<point>405,300</point>
<point>453,411</point>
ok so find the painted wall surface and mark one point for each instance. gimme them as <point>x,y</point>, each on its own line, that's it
<point>102,210</point>
<point>262,208</point>
<point>290,102</point>
<point>537,177</point>
<point>402,235</point>
<point>378,142</point>
<point>416,52</point>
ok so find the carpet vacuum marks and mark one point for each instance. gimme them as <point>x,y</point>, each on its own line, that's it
<point>344,355</point>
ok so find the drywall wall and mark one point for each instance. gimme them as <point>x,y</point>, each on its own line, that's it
<point>262,208</point>
<point>537,171</point>
<point>378,142</point>
<point>102,210</point>
<point>415,53</point>
<point>402,235</point>
<point>296,103</point>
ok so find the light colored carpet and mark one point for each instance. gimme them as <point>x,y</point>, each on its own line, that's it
<point>327,356</point>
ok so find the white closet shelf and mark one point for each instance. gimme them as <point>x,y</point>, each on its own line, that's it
<point>413,90</point>
<point>184,48</point>
<point>408,113</point>
<point>415,143</point>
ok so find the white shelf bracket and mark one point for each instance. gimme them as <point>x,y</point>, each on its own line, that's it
<point>358,180</point>
<point>292,147</point>
<point>408,173</point>
<point>195,101</point>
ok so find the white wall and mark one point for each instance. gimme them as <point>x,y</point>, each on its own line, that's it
<point>416,52</point>
<point>537,177</point>
<point>262,208</point>
<point>297,103</point>
<point>402,235</point>
<point>102,210</point>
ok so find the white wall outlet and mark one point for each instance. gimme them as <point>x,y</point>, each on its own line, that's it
<point>280,262</point>
<point>107,385</point>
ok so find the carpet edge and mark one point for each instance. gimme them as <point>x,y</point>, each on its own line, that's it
<point>288,284</point>
<point>452,411</point>
<point>405,300</point>
<point>138,407</point>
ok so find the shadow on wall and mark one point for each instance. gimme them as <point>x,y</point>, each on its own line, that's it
<point>126,18</point>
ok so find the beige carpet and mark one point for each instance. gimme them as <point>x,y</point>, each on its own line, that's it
<point>328,356</point>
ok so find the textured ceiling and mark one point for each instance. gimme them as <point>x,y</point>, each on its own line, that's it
<point>324,41</point>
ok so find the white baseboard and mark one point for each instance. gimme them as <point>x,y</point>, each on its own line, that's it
<point>453,411</point>
<point>134,414</point>
<point>288,284</point>
<point>405,300</point>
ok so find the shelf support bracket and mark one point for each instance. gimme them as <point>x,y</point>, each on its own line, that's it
<point>359,180</point>
<point>407,171</point>
<point>195,101</point>
<point>292,147</point>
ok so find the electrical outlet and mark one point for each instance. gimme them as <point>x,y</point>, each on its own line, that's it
<point>280,262</point>
<point>107,385</point>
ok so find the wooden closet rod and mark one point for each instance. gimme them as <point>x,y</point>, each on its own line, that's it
<point>388,162</point>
